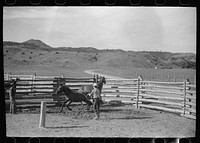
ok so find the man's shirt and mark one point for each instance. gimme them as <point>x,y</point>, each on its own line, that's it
<point>95,93</point>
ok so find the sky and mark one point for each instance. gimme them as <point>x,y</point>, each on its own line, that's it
<point>170,29</point>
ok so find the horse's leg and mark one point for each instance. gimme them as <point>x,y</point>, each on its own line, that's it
<point>63,105</point>
<point>68,105</point>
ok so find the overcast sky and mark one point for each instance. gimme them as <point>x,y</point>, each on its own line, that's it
<point>128,28</point>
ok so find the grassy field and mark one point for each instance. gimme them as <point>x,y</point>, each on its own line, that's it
<point>147,74</point>
<point>152,74</point>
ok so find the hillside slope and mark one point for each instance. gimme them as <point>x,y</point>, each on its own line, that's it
<point>36,53</point>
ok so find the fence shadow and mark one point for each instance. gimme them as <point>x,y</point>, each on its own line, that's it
<point>128,118</point>
<point>66,127</point>
<point>109,110</point>
<point>113,105</point>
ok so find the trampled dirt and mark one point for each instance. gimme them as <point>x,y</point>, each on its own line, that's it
<point>115,121</point>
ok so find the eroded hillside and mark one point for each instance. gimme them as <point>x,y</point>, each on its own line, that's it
<point>35,53</point>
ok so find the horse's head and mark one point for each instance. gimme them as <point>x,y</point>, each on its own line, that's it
<point>14,81</point>
<point>102,78</point>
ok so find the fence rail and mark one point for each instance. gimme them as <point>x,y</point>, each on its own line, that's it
<point>176,97</point>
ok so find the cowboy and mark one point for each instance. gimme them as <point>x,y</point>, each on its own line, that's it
<point>12,92</point>
<point>95,94</point>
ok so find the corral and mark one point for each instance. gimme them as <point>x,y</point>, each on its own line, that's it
<point>175,97</point>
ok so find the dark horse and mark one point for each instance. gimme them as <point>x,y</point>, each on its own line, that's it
<point>85,89</point>
<point>72,96</point>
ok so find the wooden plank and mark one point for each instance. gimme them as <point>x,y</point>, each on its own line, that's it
<point>161,97</point>
<point>78,84</point>
<point>29,88</point>
<point>158,82</point>
<point>35,102</point>
<point>35,106</point>
<point>31,97</point>
<point>119,93</point>
<point>161,108</point>
<point>34,92</point>
<point>38,80</point>
<point>191,110</point>
<point>191,92</point>
<point>46,77</point>
<point>162,87</point>
<point>35,84</point>
<point>190,103</point>
<point>119,88</point>
<point>21,75</point>
<point>191,97</point>
<point>189,116</point>
<point>109,80</point>
<point>30,102</point>
<point>75,81</point>
<point>80,78</point>
<point>191,85</point>
<point>121,96</point>
<point>119,84</point>
<point>161,91</point>
<point>161,102</point>
<point>123,101</point>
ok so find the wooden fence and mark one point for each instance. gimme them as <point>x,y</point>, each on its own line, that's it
<point>176,97</point>
<point>31,89</point>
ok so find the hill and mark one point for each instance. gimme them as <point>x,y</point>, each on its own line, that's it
<point>36,44</point>
<point>35,53</point>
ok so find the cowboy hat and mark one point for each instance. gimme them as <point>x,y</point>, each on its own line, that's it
<point>94,85</point>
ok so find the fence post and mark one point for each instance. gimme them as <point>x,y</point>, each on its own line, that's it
<point>32,86</point>
<point>138,91</point>
<point>62,79</point>
<point>10,76</point>
<point>168,77</point>
<point>184,97</point>
<point>42,114</point>
<point>12,94</point>
<point>174,78</point>
<point>96,78</point>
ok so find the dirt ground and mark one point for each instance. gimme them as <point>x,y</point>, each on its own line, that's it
<point>116,120</point>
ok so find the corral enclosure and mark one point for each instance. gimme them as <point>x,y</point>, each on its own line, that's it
<point>176,97</point>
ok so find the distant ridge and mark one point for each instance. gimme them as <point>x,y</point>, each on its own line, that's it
<point>79,49</point>
<point>26,53</point>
